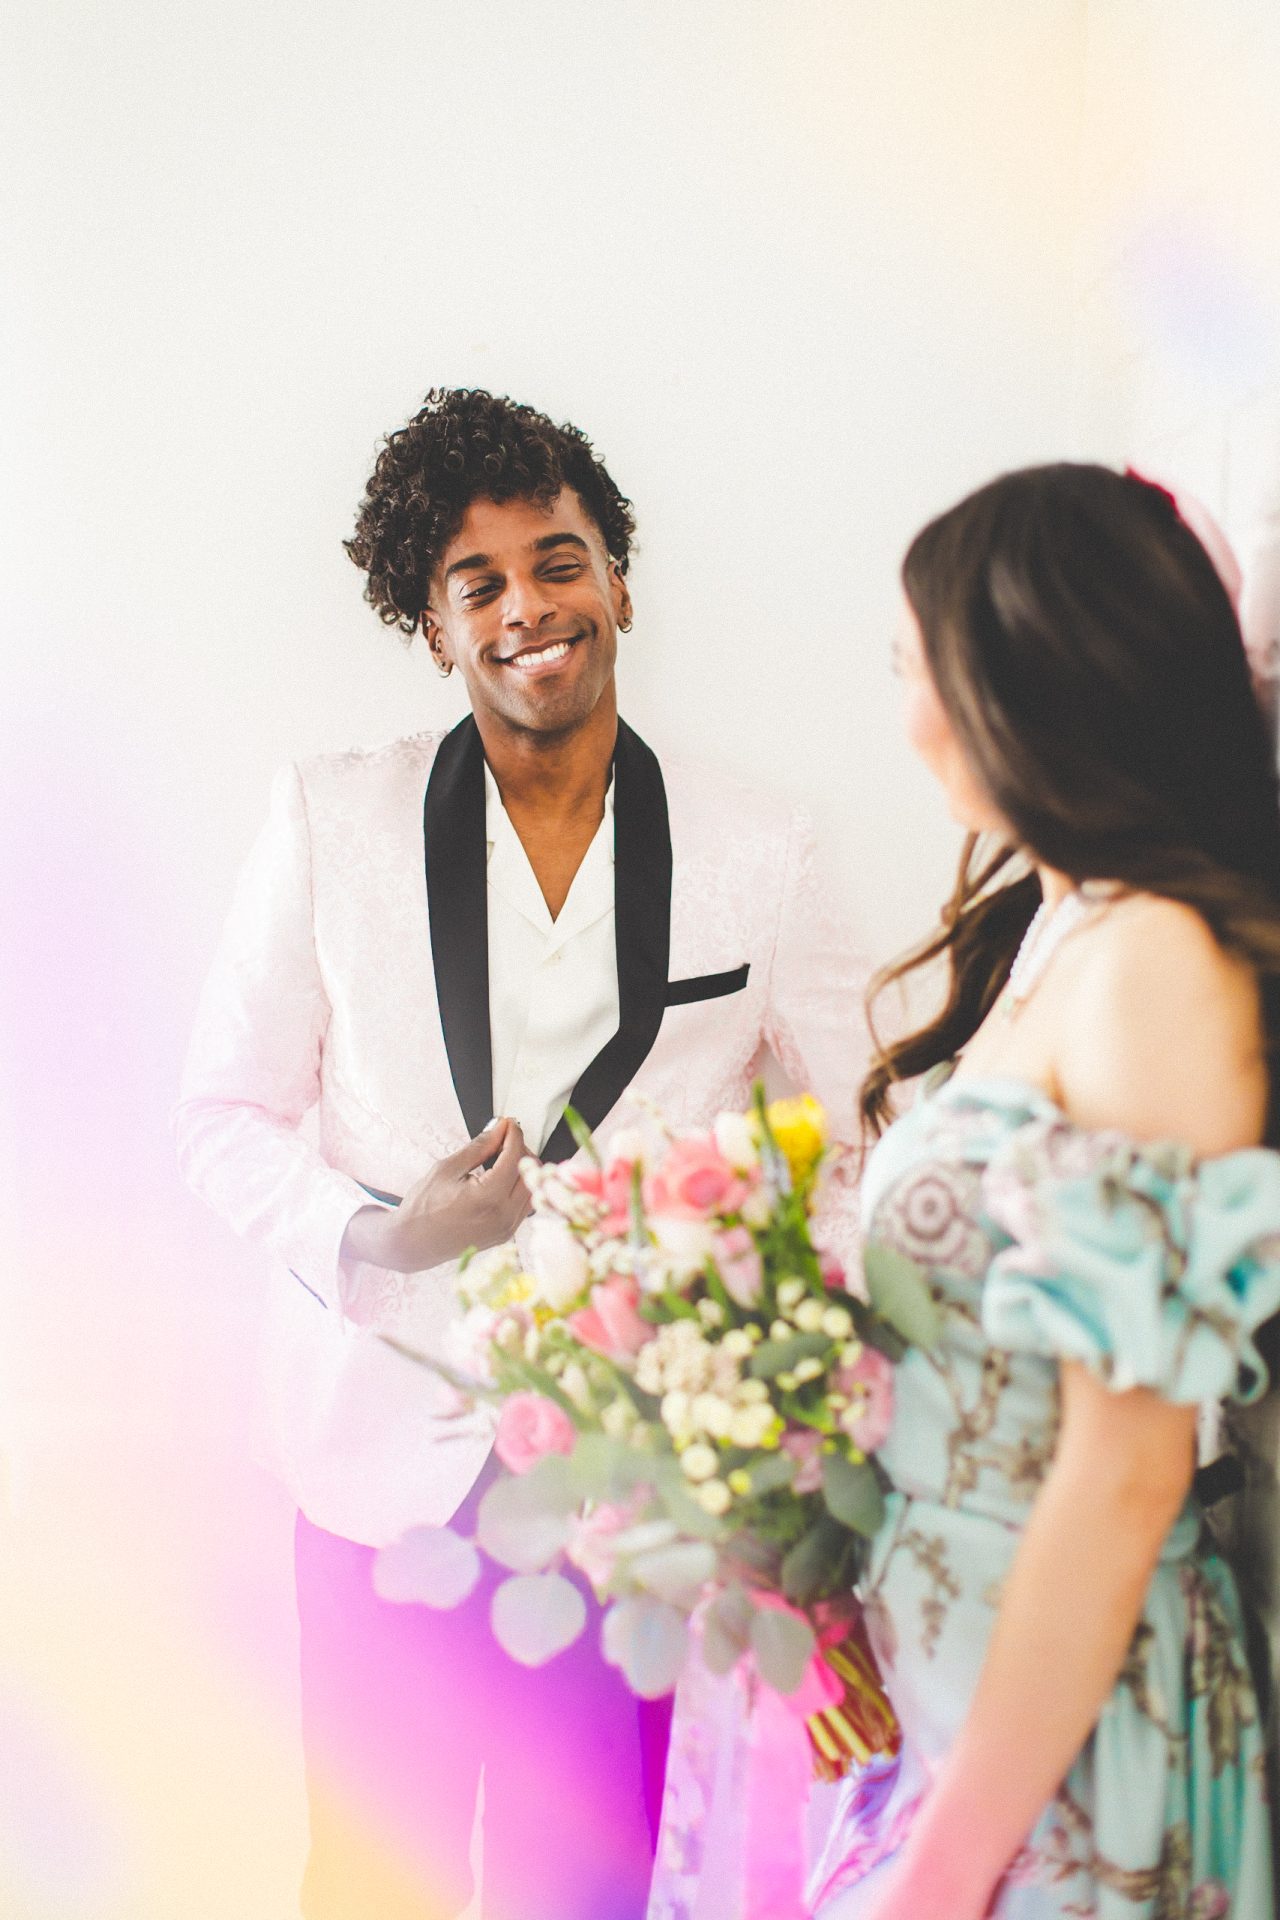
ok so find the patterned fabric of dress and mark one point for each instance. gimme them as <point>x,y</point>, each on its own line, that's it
<point>1044,1242</point>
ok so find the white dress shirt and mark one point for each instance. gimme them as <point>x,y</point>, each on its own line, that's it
<point>553,984</point>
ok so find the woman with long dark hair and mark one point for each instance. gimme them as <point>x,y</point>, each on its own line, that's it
<point>1088,1176</point>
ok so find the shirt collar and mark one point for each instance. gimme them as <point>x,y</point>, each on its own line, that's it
<point>511,875</point>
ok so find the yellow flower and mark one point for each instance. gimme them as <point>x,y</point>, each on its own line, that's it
<point>517,1289</point>
<point>800,1129</point>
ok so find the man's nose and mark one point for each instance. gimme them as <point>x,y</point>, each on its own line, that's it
<point>526,603</point>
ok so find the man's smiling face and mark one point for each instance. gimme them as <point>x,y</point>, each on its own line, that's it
<point>526,604</point>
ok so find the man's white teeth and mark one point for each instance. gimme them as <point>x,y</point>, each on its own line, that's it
<point>556,651</point>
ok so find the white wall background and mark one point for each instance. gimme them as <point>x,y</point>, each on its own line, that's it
<point>805,270</point>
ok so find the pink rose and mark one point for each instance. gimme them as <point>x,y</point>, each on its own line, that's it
<point>615,1191</point>
<point>694,1180</point>
<point>529,1427</point>
<point>740,1266</point>
<point>804,1446</point>
<point>869,1385</point>
<point>610,1324</point>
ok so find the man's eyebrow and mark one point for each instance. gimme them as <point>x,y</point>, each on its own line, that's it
<point>469,564</point>
<point>560,539</point>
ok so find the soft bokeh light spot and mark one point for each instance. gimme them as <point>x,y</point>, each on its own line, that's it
<point>59,1848</point>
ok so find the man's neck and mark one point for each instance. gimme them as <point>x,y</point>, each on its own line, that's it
<point>554,792</point>
<point>558,777</point>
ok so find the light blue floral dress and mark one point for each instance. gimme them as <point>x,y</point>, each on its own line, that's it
<point>1045,1243</point>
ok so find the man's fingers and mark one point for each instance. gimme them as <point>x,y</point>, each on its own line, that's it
<point>471,1158</point>
<point>504,1174</point>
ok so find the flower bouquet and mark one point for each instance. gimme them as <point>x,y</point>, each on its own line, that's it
<point>690,1395</point>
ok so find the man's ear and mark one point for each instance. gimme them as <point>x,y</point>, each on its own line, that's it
<point>621,598</point>
<point>437,646</point>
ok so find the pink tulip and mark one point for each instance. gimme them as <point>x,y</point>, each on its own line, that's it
<point>615,1191</point>
<point>610,1324</point>
<point>695,1180</point>
<point>869,1385</point>
<point>740,1266</point>
<point>529,1427</point>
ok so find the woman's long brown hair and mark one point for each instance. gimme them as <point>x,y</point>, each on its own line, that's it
<point>1092,666</point>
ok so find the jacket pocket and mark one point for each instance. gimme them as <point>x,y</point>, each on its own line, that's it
<point>707,986</point>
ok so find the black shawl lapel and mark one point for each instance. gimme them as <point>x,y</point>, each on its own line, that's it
<point>453,827</point>
<point>642,933</point>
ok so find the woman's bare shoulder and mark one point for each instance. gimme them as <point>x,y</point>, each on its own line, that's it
<point>1163,1034</point>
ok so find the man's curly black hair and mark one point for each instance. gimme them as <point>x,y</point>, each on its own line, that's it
<point>463,445</point>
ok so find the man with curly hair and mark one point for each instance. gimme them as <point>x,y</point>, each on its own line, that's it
<point>528,912</point>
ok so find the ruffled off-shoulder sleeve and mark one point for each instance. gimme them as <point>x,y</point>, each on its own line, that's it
<point>1152,1267</point>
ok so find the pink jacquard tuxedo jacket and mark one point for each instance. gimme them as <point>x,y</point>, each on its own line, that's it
<point>352,980</point>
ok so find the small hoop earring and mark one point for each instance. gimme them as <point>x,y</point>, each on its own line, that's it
<point>624,626</point>
<point>443,667</point>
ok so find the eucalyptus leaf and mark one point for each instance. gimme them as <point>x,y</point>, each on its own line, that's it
<point>807,1568</point>
<point>431,1565</point>
<point>683,1509</point>
<point>885,1339</point>
<point>604,1469</point>
<point>536,1616</point>
<point>852,1493</point>
<point>726,1630</point>
<point>649,1640</point>
<point>783,1645</point>
<point>677,1572</point>
<point>777,1356</point>
<point>523,1522</point>
<point>898,1288</point>
<point>771,1471</point>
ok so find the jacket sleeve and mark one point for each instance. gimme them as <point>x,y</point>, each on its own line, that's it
<point>815,1024</point>
<point>253,1066</point>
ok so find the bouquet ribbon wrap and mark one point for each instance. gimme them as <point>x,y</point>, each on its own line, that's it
<point>779,1772</point>
<point>743,1763</point>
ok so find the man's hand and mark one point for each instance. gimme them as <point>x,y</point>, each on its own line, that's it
<point>459,1204</point>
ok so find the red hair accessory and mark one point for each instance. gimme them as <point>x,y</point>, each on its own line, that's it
<point>1131,473</point>
<point>1197,519</point>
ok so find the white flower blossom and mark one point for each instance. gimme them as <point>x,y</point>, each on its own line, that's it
<point>736,1138</point>
<point>618,1418</point>
<point>628,1143</point>
<point>712,1414</point>
<point>558,1261</point>
<point>714,1497</point>
<point>685,1245</point>
<point>576,1385</point>
<point>790,1293</point>
<point>757,1208</point>
<point>699,1461</point>
<point>468,1342</point>
<point>738,1342</point>
<point>750,1424</point>
<point>808,1316</point>
<point>675,1413</point>
<point>837,1322</point>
